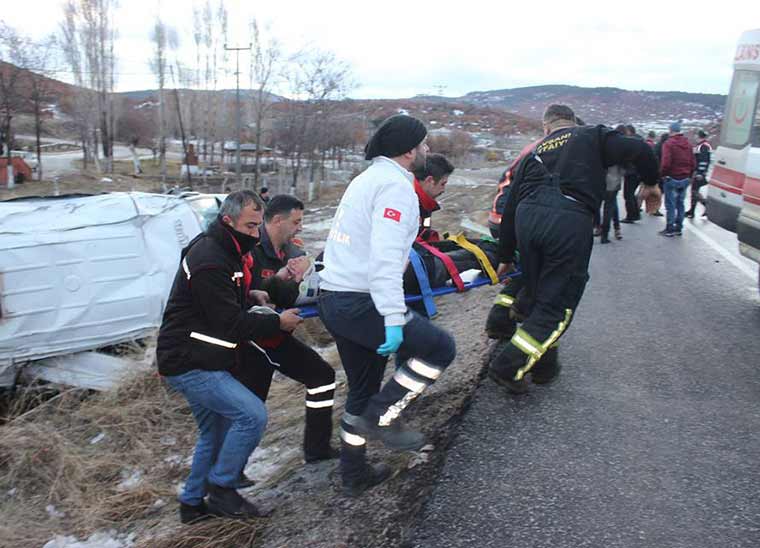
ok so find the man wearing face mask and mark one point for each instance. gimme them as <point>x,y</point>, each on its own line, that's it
<point>206,325</point>
<point>429,183</point>
<point>362,302</point>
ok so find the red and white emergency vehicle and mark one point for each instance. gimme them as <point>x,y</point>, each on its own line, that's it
<point>734,191</point>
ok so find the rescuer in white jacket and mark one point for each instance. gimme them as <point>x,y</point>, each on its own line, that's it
<point>362,301</point>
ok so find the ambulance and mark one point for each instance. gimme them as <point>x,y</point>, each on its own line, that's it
<point>733,198</point>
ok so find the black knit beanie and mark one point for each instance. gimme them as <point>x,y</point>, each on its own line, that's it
<point>397,135</point>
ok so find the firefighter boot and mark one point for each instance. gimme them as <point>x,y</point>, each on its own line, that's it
<point>500,324</point>
<point>547,368</point>
<point>317,434</point>
<point>395,436</point>
<point>504,365</point>
<point>357,475</point>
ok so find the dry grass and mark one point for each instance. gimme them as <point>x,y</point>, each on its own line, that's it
<point>216,533</point>
<point>48,456</point>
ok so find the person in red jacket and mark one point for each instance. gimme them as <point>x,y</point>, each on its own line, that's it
<point>677,165</point>
<point>429,183</point>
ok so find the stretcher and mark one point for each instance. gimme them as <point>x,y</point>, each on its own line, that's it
<point>310,311</point>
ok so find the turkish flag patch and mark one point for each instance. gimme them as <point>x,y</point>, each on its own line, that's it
<point>392,214</point>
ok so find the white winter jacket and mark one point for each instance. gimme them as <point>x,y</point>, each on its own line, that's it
<point>372,232</point>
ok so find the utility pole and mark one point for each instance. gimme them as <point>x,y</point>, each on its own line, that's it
<point>237,106</point>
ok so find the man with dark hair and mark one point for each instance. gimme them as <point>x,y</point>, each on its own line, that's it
<point>429,183</point>
<point>702,152</point>
<point>278,268</point>
<point>264,193</point>
<point>549,216</point>
<point>362,302</point>
<point>280,254</point>
<point>207,324</point>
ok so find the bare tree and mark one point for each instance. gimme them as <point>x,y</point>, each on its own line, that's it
<point>88,38</point>
<point>214,36</point>
<point>25,83</point>
<point>163,38</point>
<point>11,98</point>
<point>264,62</point>
<point>317,80</point>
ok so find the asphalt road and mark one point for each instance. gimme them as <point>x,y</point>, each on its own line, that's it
<point>651,435</point>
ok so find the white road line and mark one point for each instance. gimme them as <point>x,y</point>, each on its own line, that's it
<point>723,251</point>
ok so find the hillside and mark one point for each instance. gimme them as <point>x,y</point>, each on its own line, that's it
<point>603,105</point>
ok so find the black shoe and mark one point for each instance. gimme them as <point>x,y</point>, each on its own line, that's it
<point>499,324</point>
<point>513,386</point>
<point>689,214</point>
<point>604,240</point>
<point>375,474</point>
<point>628,221</point>
<point>667,233</point>
<point>227,502</point>
<point>244,481</point>
<point>547,368</point>
<point>193,514</point>
<point>657,214</point>
<point>394,436</point>
<point>678,232</point>
<point>330,454</point>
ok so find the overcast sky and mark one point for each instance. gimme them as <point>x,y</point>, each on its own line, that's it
<point>404,48</point>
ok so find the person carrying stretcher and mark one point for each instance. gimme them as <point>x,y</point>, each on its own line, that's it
<point>361,302</point>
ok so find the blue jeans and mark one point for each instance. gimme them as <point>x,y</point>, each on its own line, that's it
<point>675,195</point>
<point>231,421</point>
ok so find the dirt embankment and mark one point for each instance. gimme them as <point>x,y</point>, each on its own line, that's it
<point>85,464</point>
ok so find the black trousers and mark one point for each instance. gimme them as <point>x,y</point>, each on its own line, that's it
<point>697,182</point>
<point>554,236</point>
<point>630,184</point>
<point>359,329</point>
<point>611,214</point>
<point>301,363</point>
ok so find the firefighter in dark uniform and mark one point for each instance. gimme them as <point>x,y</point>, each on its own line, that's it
<point>429,183</point>
<point>278,267</point>
<point>549,216</point>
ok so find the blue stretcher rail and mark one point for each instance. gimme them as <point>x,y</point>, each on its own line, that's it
<point>310,310</point>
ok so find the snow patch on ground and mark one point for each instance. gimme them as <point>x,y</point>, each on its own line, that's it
<point>267,461</point>
<point>130,479</point>
<point>101,539</point>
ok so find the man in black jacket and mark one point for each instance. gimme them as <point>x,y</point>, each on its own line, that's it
<point>702,152</point>
<point>278,269</point>
<point>548,215</point>
<point>279,258</point>
<point>631,181</point>
<point>206,324</point>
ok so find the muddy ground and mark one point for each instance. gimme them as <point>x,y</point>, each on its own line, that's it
<point>308,509</point>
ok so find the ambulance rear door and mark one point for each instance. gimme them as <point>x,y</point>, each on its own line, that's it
<point>739,135</point>
<point>748,225</point>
